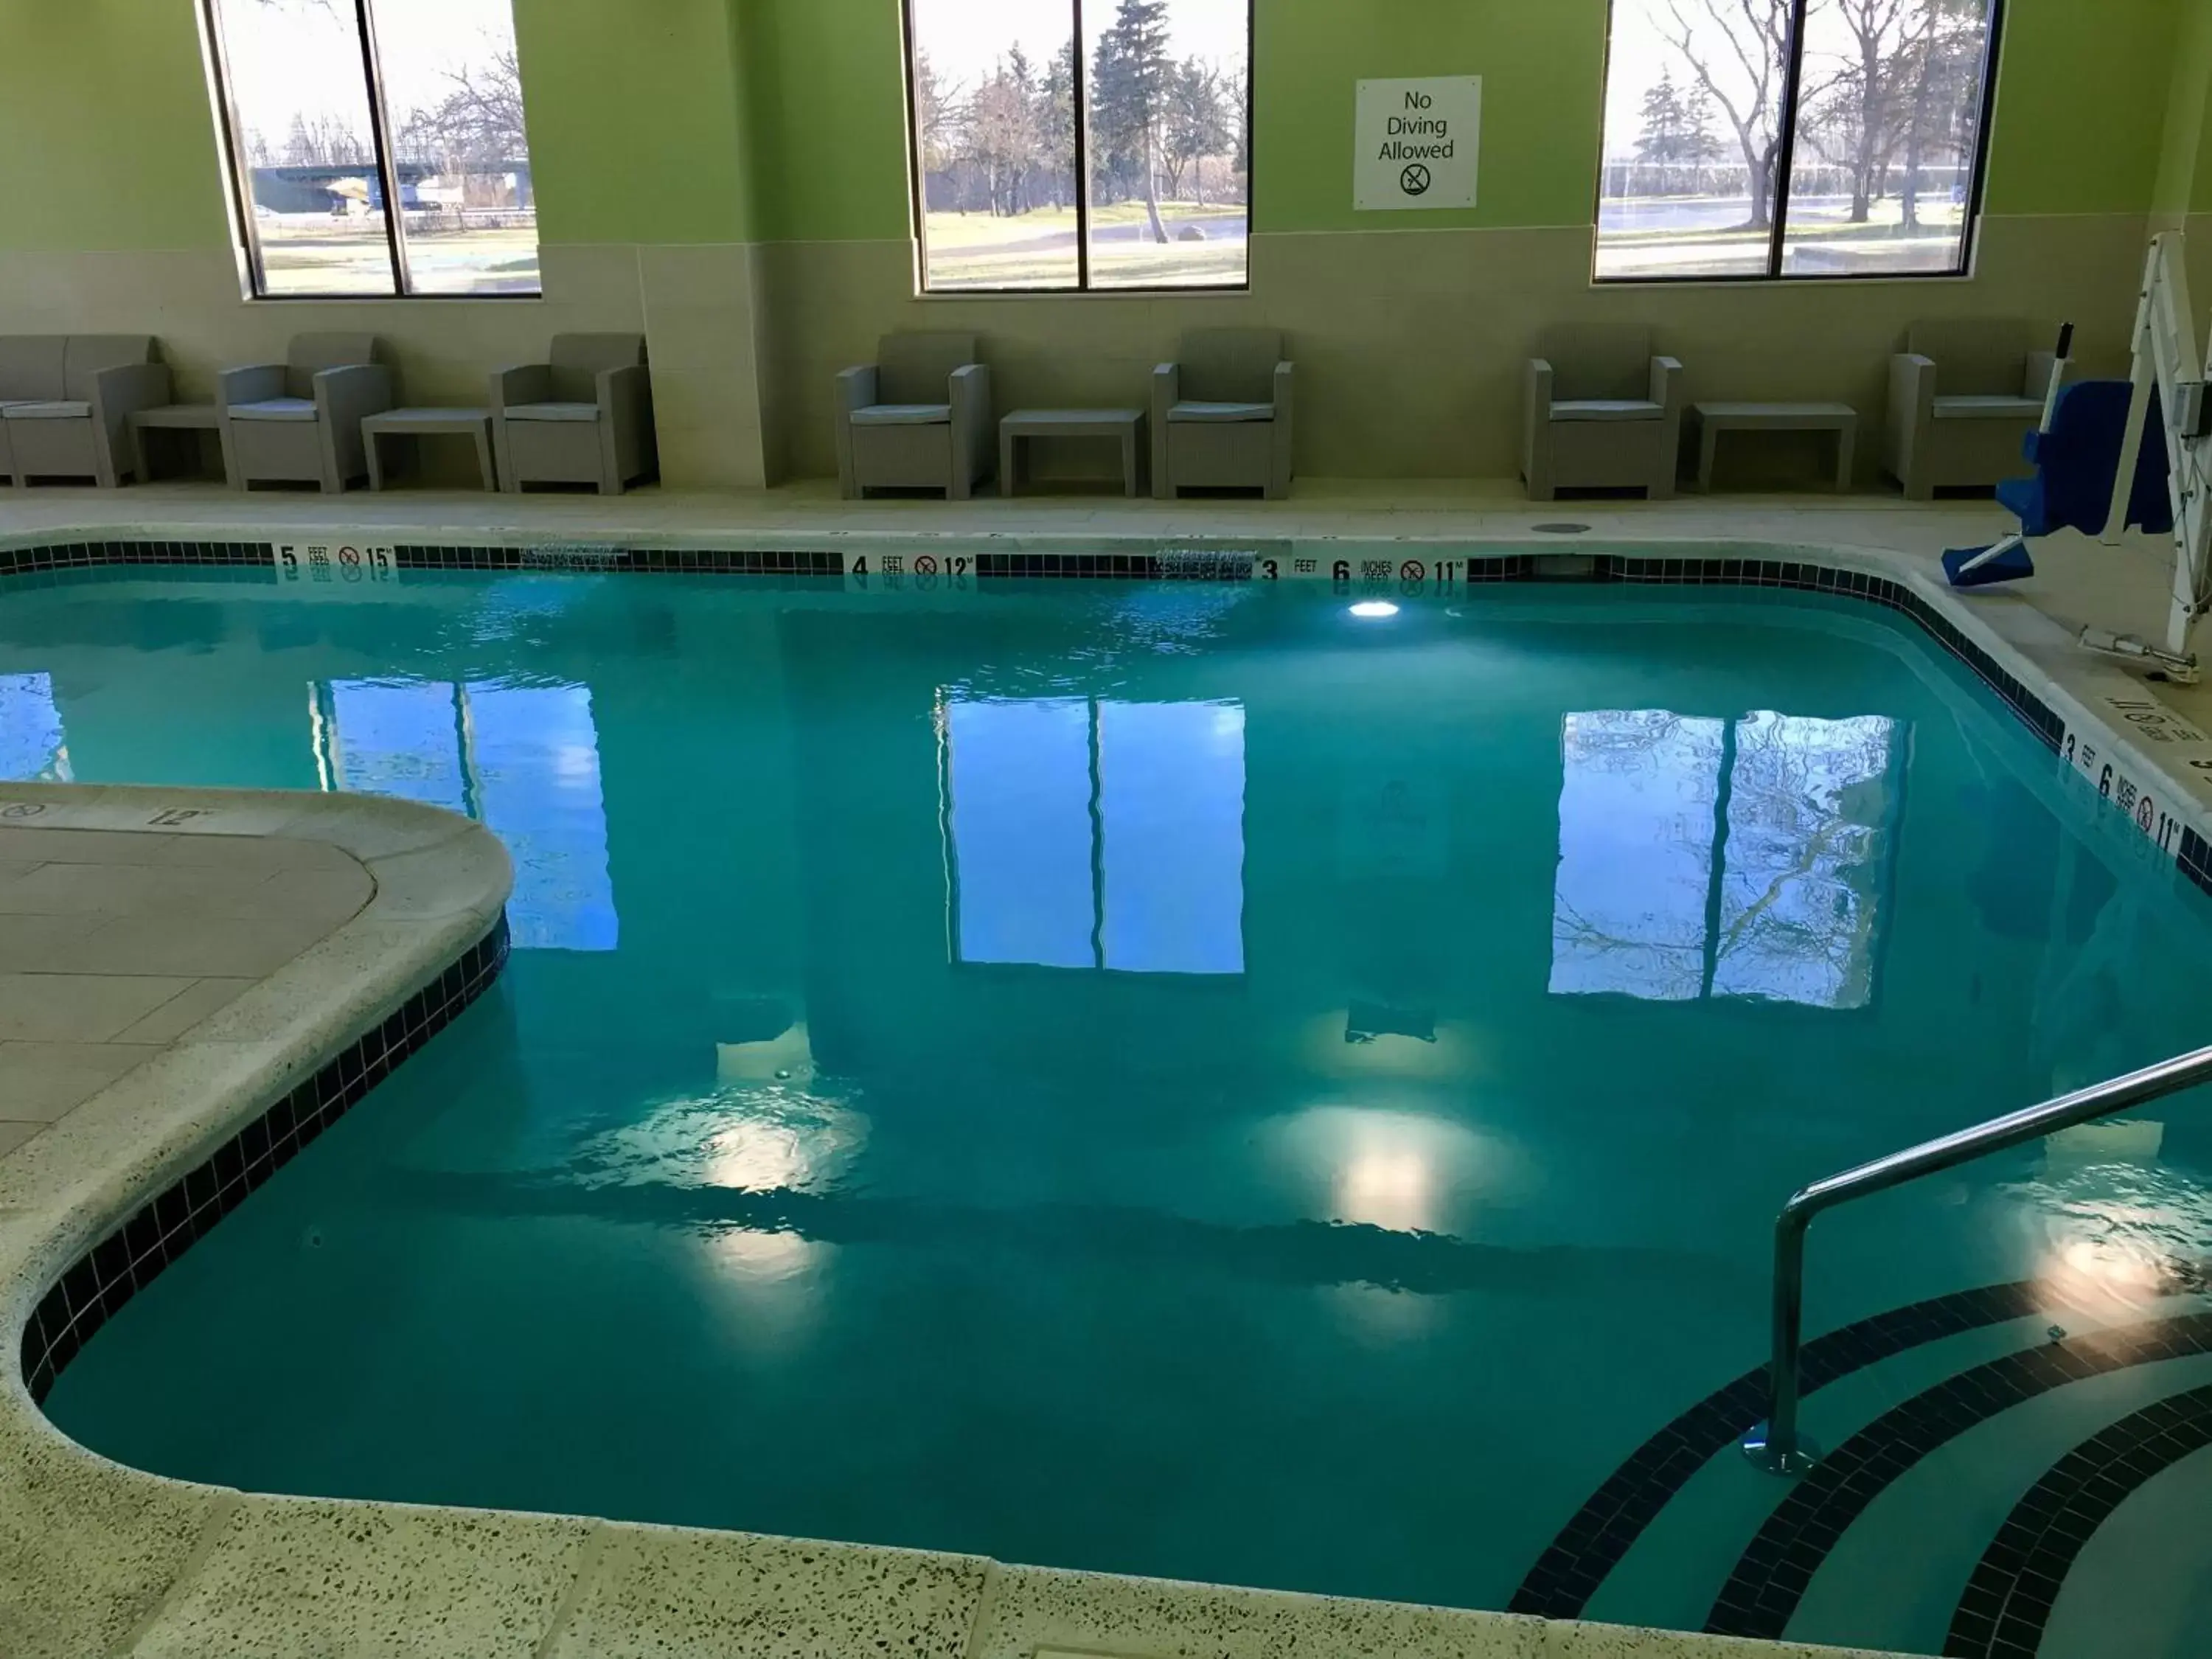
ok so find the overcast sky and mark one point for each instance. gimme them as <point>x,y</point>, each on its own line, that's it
<point>291,57</point>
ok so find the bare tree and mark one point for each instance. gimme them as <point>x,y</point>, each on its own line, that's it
<point>1755,34</point>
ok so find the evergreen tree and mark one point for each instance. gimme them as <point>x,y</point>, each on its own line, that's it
<point>1130,73</point>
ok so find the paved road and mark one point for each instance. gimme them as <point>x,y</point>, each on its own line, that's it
<point>1731,212</point>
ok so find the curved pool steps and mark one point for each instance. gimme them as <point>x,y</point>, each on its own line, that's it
<point>1960,1430</point>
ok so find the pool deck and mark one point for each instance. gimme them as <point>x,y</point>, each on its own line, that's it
<point>172,961</point>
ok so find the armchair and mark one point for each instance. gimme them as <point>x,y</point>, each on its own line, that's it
<point>1963,396</point>
<point>299,421</point>
<point>919,417</point>
<point>1600,412</point>
<point>583,415</point>
<point>1222,414</point>
<point>66,402</point>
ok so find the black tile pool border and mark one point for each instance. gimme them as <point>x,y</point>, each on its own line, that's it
<point>1408,575</point>
<point>2008,1601</point>
<point>133,1254</point>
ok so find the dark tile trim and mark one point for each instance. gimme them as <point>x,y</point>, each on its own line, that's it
<point>133,1254</point>
<point>1594,1541</point>
<point>2008,1600</point>
<point>1408,575</point>
<point>1772,1574</point>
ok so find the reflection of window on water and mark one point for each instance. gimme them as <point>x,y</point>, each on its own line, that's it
<point>32,748</point>
<point>524,760</point>
<point>1708,857</point>
<point>1097,834</point>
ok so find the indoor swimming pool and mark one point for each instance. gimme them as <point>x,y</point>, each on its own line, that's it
<point>1203,1080</point>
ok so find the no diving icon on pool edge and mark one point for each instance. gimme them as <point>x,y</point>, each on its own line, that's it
<point>1414,180</point>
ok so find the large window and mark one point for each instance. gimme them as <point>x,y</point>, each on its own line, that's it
<point>1764,139</point>
<point>1009,97</point>
<point>1104,835</point>
<point>1709,858</point>
<point>335,110</point>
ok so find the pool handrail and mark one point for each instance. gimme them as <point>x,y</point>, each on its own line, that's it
<point>1775,1445</point>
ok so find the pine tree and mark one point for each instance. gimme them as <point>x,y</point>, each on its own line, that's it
<point>1131,72</point>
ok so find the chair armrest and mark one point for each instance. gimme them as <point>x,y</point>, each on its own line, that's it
<point>624,393</point>
<point>345,394</point>
<point>250,385</point>
<point>856,388</point>
<point>1536,381</point>
<point>1286,377</point>
<point>525,383</point>
<point>1167,389</point>
<point>117,391</point>
<point>968,390</point>
<point>1667,383</point>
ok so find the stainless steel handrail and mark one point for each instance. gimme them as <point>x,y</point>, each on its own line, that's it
<point>1775,1445</point>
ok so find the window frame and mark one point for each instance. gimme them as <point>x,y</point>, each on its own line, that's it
<point>387,174</point>
<point>1785,162</point>
<point>1082,288</point>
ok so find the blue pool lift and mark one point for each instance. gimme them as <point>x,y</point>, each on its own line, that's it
<point>2115,454</point>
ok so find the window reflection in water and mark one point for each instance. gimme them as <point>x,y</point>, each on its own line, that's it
<point>522,759</point>
<point>1706,858</point>
<point>1088,833</point>
<point>32,747</point>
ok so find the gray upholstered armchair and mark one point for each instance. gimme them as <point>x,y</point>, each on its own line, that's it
<point>919,417</point>
<point>66,401</point>
<point>583,416</point>
<point>298,421</point>
<point>1601,411</point>
<point>1962,395</point>
<point>1221,414</point>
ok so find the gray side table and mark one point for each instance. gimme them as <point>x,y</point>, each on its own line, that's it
<point>169,417</point>
<point>1126,425</point>
<point>430,423</point>
<point>1713,419</point>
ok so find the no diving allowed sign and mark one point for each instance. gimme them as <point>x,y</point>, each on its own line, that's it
<point>1416,144</point>
<point>333,565</point>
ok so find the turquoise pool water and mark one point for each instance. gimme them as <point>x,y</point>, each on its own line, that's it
<point>1182,1081</point>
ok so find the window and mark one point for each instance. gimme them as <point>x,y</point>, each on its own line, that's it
<point>1096,835</point>
<point>32,747</point>
<point>523,760</point>
<point>1711,858</point>
<point>1767,139</point>
<point>1008,98</point>
<point>334,110</point>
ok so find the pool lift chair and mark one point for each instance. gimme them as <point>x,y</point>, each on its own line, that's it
<point>2113,454</point>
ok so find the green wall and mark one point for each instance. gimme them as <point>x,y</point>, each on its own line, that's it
<point>637,121</point>
<point>105,140</point>
<point>2082,105</point>
<point>733,120</point>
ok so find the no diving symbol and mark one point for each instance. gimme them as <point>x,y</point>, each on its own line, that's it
<point>1412,571</point>
<point>1414,180</point>
<point>925,566</point>
<point>347,556</point>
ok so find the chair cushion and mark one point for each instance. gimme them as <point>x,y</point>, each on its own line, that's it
<point>275,409</point>
<point>553,412</point>
<point>1202,411</point>
<point>59,409</point>
<point>1608,408</point>
<point>1987,408</point>
<point>903,415</point>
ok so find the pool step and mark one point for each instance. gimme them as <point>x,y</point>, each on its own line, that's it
<point>1974,1442</point>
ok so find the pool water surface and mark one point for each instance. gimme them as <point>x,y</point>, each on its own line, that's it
<point>1175,1080</point>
